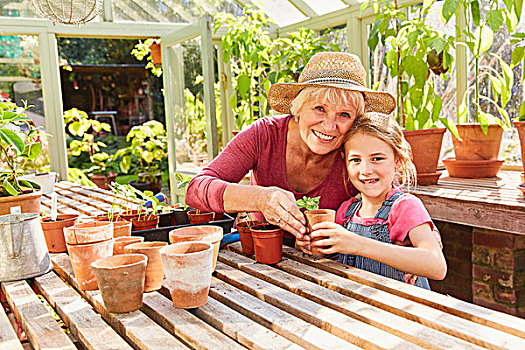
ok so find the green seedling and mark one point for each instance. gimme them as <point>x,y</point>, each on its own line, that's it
<point>308,203</point>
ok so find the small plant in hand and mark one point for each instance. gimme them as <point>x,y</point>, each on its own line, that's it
<point>308,203</point>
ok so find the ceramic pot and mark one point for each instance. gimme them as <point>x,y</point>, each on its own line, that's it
<point>28,203</point>
<point>154,270</point>
<point>245,235</point>
<point>199,218</point>
<point>121,229</point>
<point>82,255</point>
<point>475,145</point>
<point>472,169</point>
<point>103,181</point>
<point>316,216</point>
<point>188,268</point>
<point>520,126</point>
<point>426,147</point>
<point>206,233</point>
<point>120,242</point>
<point>54,231</point>
<point>121,281</point>
<point>268,243</point>
<point>88,232</point>
<point>151,221</point>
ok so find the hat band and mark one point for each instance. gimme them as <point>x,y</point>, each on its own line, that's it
<point>332,80</point>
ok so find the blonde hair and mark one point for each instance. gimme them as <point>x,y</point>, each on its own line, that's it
<point>328,95</point>
<point>385,128</point>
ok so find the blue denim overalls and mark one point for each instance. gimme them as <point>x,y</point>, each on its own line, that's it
<point>379,232</point>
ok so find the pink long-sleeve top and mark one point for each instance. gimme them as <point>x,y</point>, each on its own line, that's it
<point>262,149</point>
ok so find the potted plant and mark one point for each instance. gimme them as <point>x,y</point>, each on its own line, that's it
<point>147,218</point>
<point>102,170</point>
<point>148,49</point>
<point>518,55</point>
<point>480,132</point>
<point>19,142</point>
<point>147,150</point>
<point>414,54</point>
<point>245,233</point>
<point>314,215</point>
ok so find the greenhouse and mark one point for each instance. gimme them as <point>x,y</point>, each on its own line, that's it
<point>262,174</point>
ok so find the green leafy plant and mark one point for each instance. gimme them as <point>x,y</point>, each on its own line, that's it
<point>182,182</point>
<point>412,51</point>
<point>148,148</point>
<point>478,38</point>
<point>19,142</point>
<point>308,203</point>
<point>142,50</point>
<point>518,57</point>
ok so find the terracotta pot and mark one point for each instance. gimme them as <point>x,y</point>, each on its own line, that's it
<point>426,147</point>
<point>28,203</point>
<point>54,231</point>
<point>120,242</point>
<point>476,145</point>
<point>316,216</point>
<point>151,221</point>
<point>520,126</point>
<point>103,181</point>
<point>106,217</point>
<point>82,255</point>
<point>128,215</point>
<point>121,281</point>
<point>121,228</point>
<point>154,270</point>
<point>199,218</point>
<point>245,235</point>
<point>268,243</point>
<point>206,233</point>
<point>522,188</point>
<point>188,268</point>
<point>472,169</point>
<point>88,232</point>
<point>156,57</point>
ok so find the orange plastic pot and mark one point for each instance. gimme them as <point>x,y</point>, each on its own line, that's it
<point>54,231</point>
<point>206,233</point>
<point>268,243</point>
<point>245,236</point>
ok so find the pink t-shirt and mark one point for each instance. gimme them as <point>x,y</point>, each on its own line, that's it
<point>407,212</point>
<point>262,149</point>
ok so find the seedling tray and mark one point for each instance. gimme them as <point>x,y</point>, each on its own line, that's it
<point>162,233</point>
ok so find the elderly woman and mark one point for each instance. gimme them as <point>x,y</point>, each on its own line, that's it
<point>297,154</point>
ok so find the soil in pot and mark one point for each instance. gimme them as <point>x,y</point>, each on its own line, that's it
<point>121,242</point>
<point>200,218</point>
<point>316,216</point>
<point>146,222</point>
<point>268,243</point>
<point>188,268</point>
<point>245,235</point>
<point>121,281</point>
<point>82,255</point>
<point>154,270</point>
<point>54,231</point>
<point>207,233</point>
<point>88,232</point>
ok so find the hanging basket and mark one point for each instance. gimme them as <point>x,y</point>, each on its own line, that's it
<point>68,11</point>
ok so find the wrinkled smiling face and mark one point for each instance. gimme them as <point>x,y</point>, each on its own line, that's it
<point>371,165</point>
<point>322,125</point>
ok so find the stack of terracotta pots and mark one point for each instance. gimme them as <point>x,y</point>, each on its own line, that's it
<point>207,233</point>
<point>54,231</point>
<point>86,243</point>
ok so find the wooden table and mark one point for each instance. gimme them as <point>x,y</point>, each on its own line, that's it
<point>298,303</point>
<point>490,203</point>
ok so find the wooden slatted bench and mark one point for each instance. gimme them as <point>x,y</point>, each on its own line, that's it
<point>299,303</point>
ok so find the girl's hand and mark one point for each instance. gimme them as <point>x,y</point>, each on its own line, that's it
<point>279,208</point>
<point>334,238</point>
<point>303,244</point>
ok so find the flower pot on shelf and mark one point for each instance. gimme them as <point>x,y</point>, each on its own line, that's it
<point>206,233</point>
<point>154,270</point>
<point>520,126</point>
<point>472,169</point>
<point>82,255</point>
<point>316,216</point>
<point>200,218</point>
<point>121,281</point>
<point>188,269</point>
<point>267,243</point>
<point>146,222</point>
<point>54,231</point>
<point>426,147</point>
<point>476,145</point>
<point>120,243</point>
<point>103,181</point>
<point>28,203</point>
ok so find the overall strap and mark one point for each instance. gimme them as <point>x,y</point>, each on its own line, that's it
<point>384,211</point>
<point>352,209</point>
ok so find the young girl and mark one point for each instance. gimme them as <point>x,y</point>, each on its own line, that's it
<point>383,230</point>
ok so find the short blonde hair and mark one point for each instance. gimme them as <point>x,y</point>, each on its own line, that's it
<point>328,95</point>
<point>385,128</point>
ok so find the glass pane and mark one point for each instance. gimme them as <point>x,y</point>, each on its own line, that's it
<point>281,11</point>
<point>20,81</point>
<point>325,6</point>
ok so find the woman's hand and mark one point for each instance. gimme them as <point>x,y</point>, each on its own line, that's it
<point>279,208</point>
<point>334,238</point>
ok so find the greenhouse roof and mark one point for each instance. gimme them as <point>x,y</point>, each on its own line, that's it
<point>283,12</point>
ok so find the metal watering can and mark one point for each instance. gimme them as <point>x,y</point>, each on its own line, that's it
<point>23,250</point>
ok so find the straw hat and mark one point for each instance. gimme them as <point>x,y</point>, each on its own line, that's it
<point>331,69</point>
